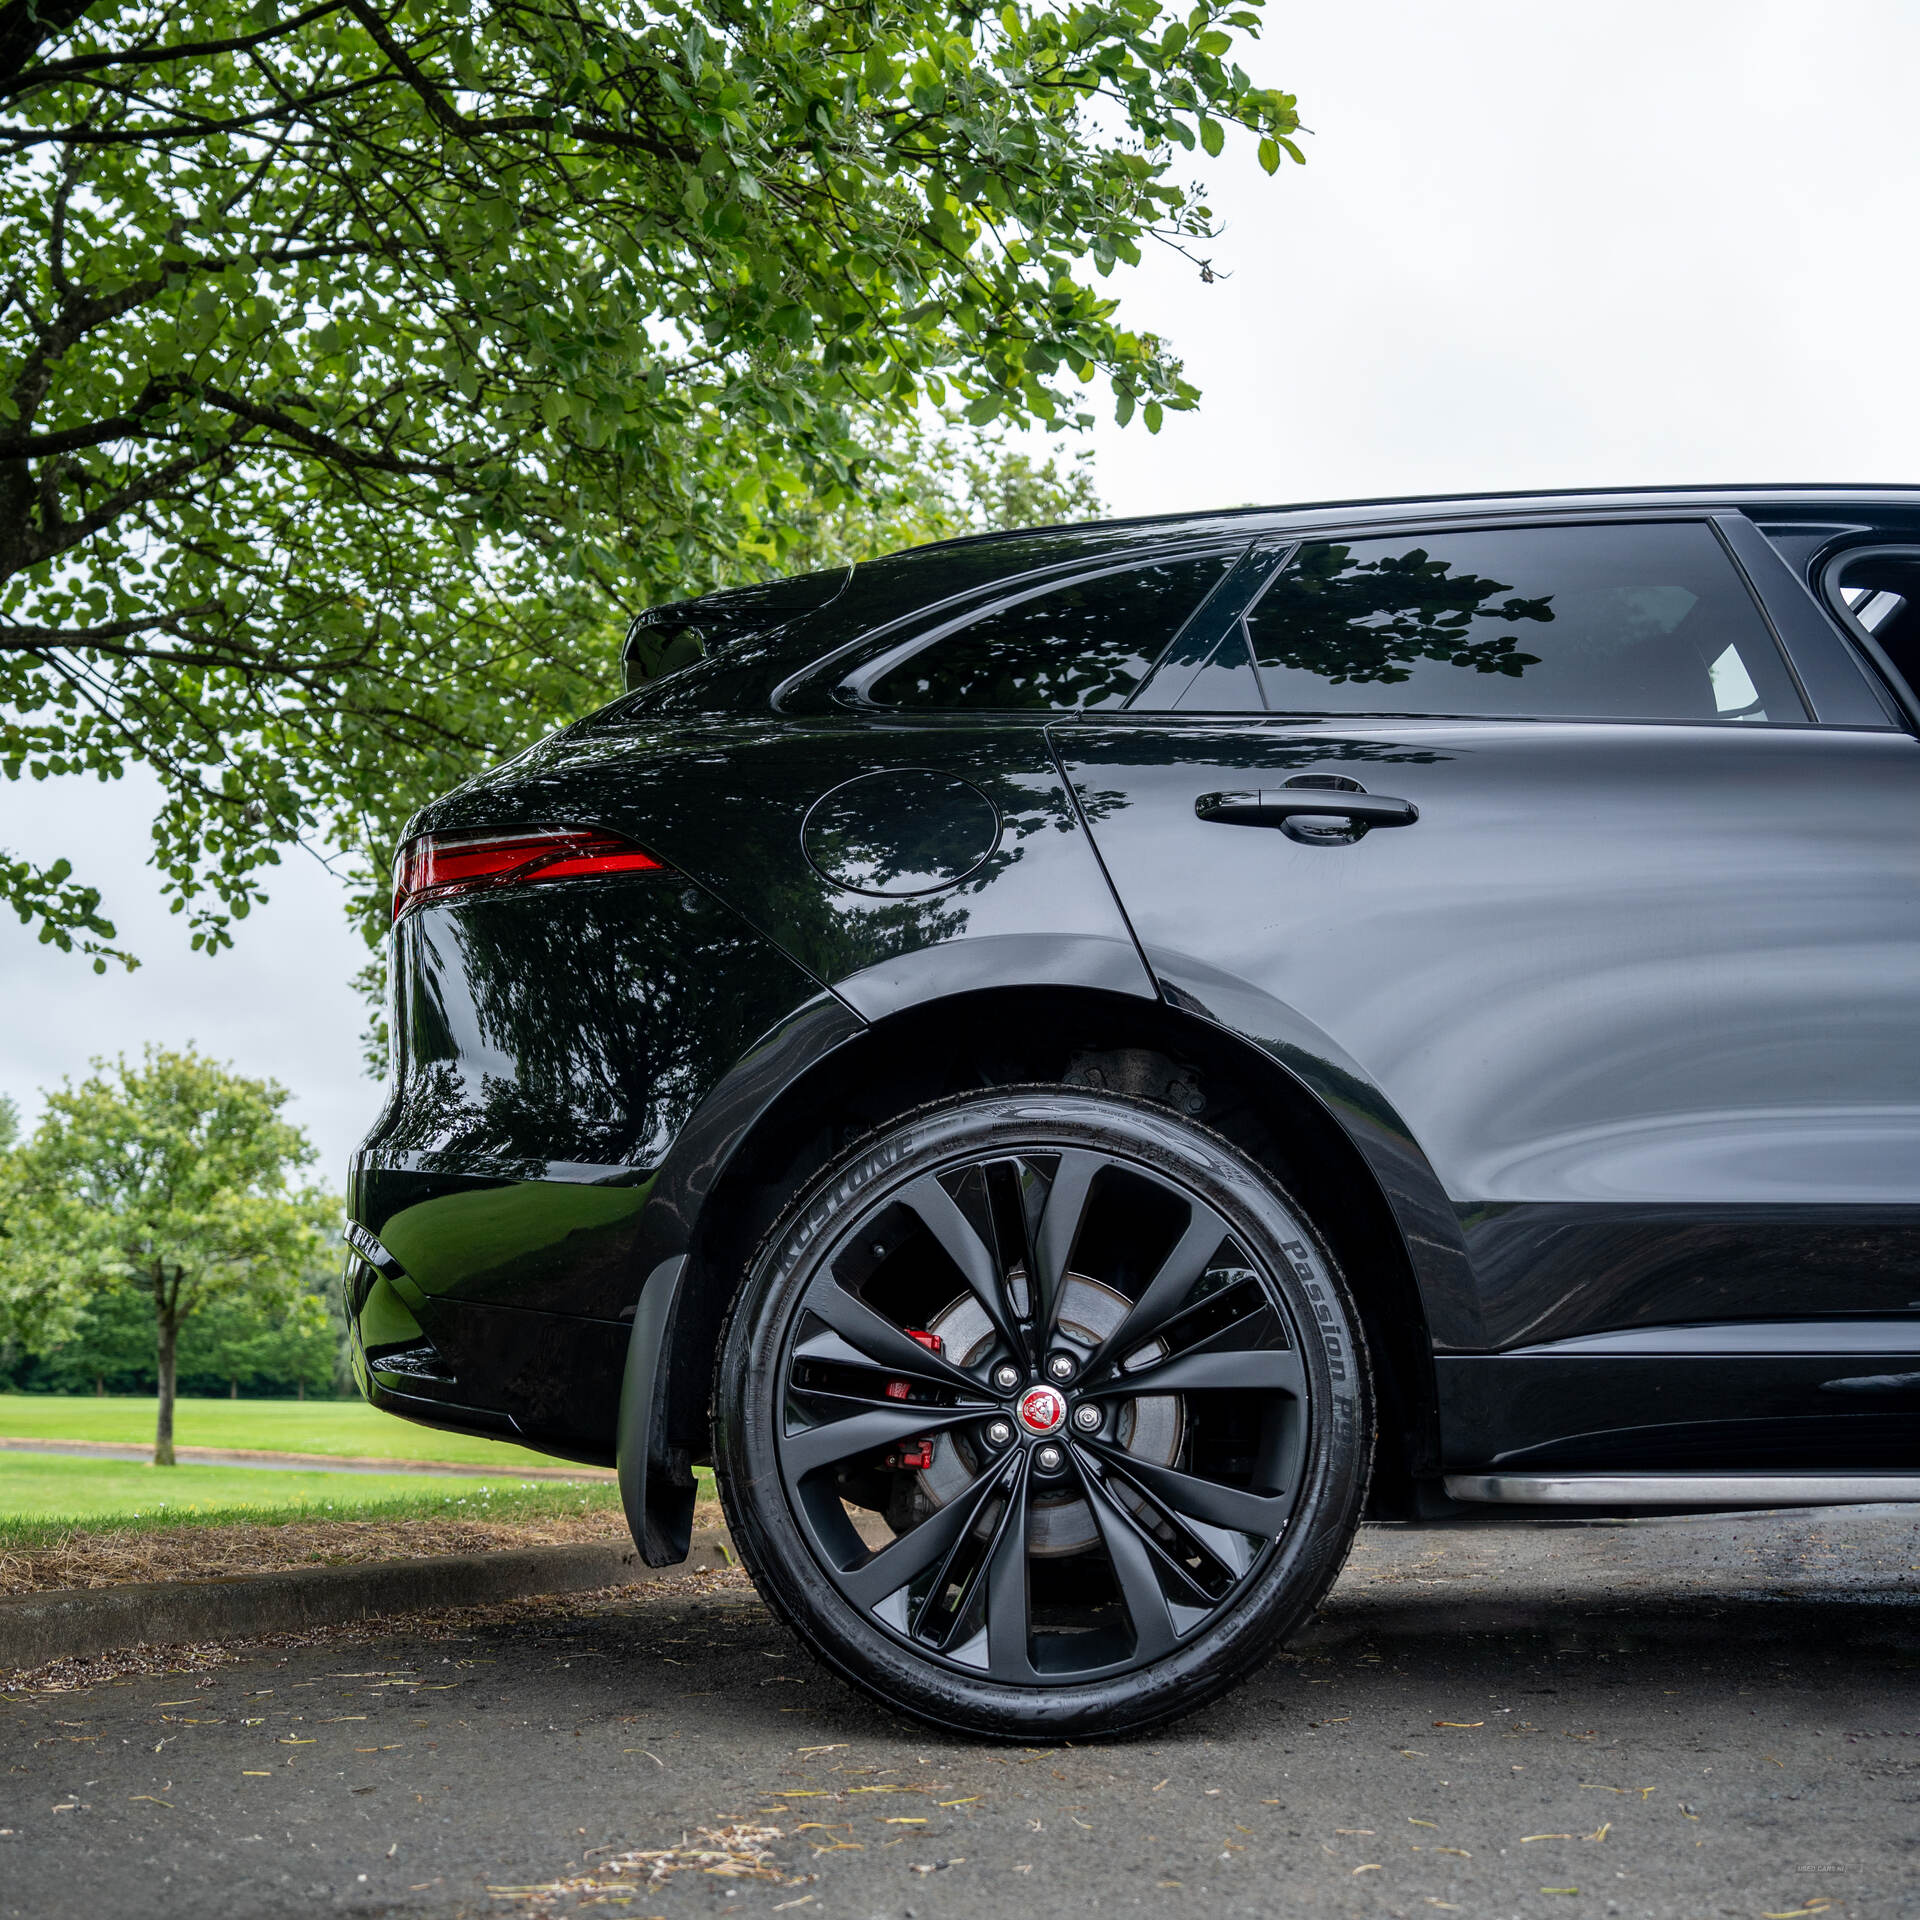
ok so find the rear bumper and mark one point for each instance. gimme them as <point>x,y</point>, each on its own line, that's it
<point>549,1046</point>
<point>549,1381</point>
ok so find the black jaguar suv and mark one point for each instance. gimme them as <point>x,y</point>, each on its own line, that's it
<point>1074,1066</point>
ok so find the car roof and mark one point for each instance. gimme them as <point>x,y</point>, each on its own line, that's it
<point>1780,496</point>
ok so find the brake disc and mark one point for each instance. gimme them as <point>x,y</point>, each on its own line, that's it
<point>1150,1428</point>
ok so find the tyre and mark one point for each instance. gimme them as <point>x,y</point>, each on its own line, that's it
<point>1043,1414</point>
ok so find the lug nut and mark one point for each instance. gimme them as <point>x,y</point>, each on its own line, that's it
<point>1086,1418</point>
<point>999,1433</point>
<point>1061,1366</point>
<point>1006,1376</point>
<point>1049,1459</point>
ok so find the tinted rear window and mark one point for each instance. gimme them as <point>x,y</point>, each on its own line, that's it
<point>1646,621</point>
<point>1068,648</point>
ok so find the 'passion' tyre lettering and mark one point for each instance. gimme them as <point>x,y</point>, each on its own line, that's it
<point>1329,1322</point>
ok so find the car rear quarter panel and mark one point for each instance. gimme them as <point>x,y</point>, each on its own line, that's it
<point>555,1042</point>
<point>549,1045</point>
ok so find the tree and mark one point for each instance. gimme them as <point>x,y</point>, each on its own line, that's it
<point>238,1345</point>
<point>172,1177</point>
<point>244,1341</point>
<point>104,1345</point>
<point>364,364</point>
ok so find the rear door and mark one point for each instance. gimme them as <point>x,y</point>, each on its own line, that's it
<point>1619,926</point>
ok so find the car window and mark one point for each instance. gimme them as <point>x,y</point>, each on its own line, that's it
<point>1088,644</point>
<point>1881,590</point>
<point>1645,621</point>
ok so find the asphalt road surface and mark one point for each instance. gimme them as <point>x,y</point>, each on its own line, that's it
<point>1685,1719</point>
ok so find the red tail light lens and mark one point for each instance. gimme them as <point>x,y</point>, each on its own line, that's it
<point>433,866</point>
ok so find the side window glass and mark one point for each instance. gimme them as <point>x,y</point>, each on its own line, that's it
<point>1065,649</point>
<point>1626,622</point>
<point>1881,590</point>
<point>1226,684</point>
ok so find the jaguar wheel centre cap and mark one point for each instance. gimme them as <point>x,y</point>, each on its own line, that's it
<point>1042,1410</point>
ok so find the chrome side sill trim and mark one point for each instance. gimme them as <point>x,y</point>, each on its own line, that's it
<point>1681,1489</point>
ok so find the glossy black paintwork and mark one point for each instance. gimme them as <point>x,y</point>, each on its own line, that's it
<point>533,1037</point>
<point>549,1380</point>
<point>1613,974</point>
<point>899,833</point>
<point>726,805</point>
<point>1652,1265</point>
<point>547,1062</point>
<point>1629,1413</point>
<point>1839,688</point>
<point>1624,1026</point>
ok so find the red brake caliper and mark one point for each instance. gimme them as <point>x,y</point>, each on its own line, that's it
<point>919,1455</point>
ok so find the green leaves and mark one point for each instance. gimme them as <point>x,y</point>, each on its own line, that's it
<point>340,436</point>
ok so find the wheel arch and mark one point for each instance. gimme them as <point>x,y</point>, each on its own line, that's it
<point>1013,1036</point>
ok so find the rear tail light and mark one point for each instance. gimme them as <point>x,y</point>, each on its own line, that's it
<point>435,866</point>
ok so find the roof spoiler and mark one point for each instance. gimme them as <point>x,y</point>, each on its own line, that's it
<point>664,639</point>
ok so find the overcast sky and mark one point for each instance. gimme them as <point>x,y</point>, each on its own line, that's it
<point>1533,246</point>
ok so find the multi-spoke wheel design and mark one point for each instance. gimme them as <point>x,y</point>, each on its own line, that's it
<point>1047,1399</point>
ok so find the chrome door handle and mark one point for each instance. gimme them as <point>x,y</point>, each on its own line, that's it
<point>1274,807</point>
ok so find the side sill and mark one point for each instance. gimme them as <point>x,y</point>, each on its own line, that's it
<point>1682,1491</point>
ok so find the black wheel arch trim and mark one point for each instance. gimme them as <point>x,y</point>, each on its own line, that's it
<point>1343,1091</point>
<point>662,1402</point>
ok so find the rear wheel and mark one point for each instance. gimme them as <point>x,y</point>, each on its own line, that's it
<point>1043,1413</point>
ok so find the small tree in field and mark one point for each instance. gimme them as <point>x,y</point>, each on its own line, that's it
<point>172,1177</point>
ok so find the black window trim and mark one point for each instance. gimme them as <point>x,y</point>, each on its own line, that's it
<point>1835,684</point>
<point>1504,523</point>
<point>968,601</point>
<point>1193,647</point>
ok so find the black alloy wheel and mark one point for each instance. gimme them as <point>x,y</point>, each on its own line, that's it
<point>1043,1413</point>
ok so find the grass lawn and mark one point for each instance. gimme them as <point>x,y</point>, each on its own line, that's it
<point>44,1496</point>
<point>277,1426</point>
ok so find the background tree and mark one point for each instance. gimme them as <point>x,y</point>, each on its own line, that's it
<point>104,1344</point>
<point>239,1345</point>
<point>364,364</point>
<point>172,1178</point>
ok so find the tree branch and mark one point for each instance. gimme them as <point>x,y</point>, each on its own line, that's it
<point>50,73</point>
<point>27,25</point>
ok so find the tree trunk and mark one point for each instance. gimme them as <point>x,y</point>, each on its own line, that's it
<point>233,1389</point>
<point>99,1387</point>
<point>300,1389</point>
<point>167,1331</point>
